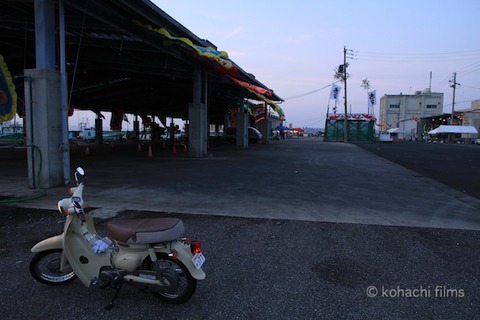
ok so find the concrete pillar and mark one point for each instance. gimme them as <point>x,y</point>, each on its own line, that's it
<point>197,140</point>
<point>197,118</point>
<point>136,130</point>
<point>98,131</point>
<point>43,101</point>
<point>44,128</point>
<point>266,128</point>
<point>45,34</point>
<point>242,129</point>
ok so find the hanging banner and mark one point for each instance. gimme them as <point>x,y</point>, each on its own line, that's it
<point>274,106</point>
<point>372,98</point>
<point>8,95</point>
<point>116,120</point>
<point>335,92</point>
<point>258,113</point>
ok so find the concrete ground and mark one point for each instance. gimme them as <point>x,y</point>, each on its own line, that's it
<point>298,229</point>
<point>294,179</point>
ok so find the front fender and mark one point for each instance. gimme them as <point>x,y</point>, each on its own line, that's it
<point>55,242</point>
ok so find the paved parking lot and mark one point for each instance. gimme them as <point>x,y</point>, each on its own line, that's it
<point>320,236</point>
<point>303,179</point>
<point>455,165</point>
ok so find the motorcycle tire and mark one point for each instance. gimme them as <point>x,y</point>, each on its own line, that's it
<point>187,283</point>
<point>45,268</point>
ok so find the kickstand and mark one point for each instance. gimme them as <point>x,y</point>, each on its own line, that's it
<point>117,287</point>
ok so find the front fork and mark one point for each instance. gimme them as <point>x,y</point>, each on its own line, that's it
<point>64,264</point>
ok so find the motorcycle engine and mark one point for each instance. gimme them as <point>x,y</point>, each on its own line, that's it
<point>168,280</point>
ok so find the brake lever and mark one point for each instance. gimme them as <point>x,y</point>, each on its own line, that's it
<point>79,211</point>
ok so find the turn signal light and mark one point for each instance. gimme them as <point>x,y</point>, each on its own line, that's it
<point>61,209</point>
<point>173,255</point>
<point>186,240</point>
<point>196,247</point>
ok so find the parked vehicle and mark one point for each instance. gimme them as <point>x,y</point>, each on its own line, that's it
<point>254,136</point>
<point>385,137</point>
<point>151,254</point>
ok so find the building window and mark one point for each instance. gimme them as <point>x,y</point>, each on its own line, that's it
<point>394,106</point>
<point>431,106</point>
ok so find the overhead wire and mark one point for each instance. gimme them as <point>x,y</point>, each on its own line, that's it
<point>310,92</point>
<point>419,57</point>
<point>414,57</point>
<point>411,57</point>
<point>431,57</point>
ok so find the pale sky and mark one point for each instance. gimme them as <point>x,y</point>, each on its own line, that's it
<point>293,47</point>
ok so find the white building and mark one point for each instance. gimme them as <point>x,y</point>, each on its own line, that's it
<point>471,117</point>
<point>397,109</point>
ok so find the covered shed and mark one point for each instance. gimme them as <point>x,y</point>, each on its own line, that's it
<point>123,57</point>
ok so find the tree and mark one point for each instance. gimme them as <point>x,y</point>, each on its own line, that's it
<point>365,84</point>
<point>340,72</point>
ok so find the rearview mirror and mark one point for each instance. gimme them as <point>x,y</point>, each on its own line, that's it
<point>81,171</point>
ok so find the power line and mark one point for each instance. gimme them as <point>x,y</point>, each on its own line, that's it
<point>309,93</point>
<point>420,57</point>
<point>465,86</point>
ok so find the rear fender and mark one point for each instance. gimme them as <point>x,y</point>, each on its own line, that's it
<point>185,256</point>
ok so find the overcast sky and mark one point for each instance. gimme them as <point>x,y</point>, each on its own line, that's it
<point>293,47</point>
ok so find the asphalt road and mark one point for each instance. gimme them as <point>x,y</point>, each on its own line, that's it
<point>269,268</point>
<point>455,165</point>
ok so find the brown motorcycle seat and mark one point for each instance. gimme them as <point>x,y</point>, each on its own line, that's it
<point>152,230</point>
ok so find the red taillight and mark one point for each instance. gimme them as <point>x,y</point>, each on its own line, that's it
<point>196,247</point>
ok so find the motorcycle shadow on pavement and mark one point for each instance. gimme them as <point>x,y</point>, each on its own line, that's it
<point>269,269</point>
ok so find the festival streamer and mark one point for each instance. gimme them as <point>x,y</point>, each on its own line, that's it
<point>8,95</point>
<point>220,58</point>
<point>252,87</point>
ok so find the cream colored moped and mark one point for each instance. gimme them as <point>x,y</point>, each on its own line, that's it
<point>151,254</point>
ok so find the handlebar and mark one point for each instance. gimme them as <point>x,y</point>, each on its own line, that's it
<point>74,204</point>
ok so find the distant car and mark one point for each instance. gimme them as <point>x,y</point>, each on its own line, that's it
<point>385,137</point>
<point>477,141</point>
<point>254,135</point>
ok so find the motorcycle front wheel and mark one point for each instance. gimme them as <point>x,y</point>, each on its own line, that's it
<point>186,283</point>
<point>45,268</point>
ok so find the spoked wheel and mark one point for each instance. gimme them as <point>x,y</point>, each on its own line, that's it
<point>185,286</point>
<point>45,268</point>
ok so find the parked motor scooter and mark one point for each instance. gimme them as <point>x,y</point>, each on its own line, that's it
<point>150,254</point>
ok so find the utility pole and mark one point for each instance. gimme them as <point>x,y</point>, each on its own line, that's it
<point>345,129</point>
<point>345,65</point>
<point>454,84</point>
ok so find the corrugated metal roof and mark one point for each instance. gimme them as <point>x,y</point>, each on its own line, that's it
<point>114,62</point>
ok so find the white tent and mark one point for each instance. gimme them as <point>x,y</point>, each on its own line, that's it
<point>454,129</point>
<point>395,130</point>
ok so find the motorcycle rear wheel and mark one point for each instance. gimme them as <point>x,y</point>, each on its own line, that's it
<point>186,283</point>
<point>45,268</point>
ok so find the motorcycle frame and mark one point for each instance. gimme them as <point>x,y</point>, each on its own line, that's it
<point>78,254</point>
